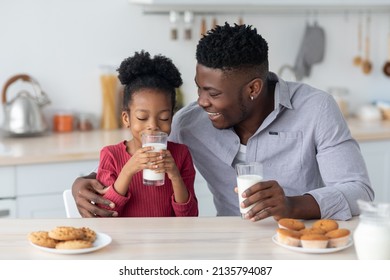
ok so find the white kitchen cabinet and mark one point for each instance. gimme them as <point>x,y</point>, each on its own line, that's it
<point>7,208</point>
<point>41,206</point>
<point>7,182</point>
<point>39,187</point>
<point>377,157</point>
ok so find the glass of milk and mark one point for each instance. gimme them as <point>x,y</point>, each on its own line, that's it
<point>158,140</point>
<point>372,235</point>
<point>248,174</point>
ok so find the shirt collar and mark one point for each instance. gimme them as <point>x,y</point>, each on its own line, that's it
<point>282,92</point>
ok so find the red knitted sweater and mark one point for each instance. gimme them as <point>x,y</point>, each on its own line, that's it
<point>147,201</point>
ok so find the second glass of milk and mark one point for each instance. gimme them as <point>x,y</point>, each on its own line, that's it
<point>158,140</point>
<point>248,174</point>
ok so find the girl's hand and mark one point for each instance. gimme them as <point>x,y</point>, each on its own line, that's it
<point>143,158</point>
<point>166,164</point>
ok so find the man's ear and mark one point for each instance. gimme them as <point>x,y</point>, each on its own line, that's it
<point>256,85</point>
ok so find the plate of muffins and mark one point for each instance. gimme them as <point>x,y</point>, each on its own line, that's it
<point>324,236</point>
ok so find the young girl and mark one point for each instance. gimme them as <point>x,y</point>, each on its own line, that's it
<point>148,105</point>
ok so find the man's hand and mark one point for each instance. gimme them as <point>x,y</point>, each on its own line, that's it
<point>87,192</point>
<point>270,200</point>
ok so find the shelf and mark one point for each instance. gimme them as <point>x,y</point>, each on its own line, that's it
<point>262,6</point>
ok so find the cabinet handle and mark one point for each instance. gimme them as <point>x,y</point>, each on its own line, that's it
<point>4,213</point>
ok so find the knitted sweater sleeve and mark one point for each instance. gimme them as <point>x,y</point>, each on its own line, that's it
<point>187,171</point>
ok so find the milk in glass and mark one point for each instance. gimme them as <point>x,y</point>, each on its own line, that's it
<point>157,140</point>
<point>248,174</point>
<point>150,176</point>
<point>244,182</point>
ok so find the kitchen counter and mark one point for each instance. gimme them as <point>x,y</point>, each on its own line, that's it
<point>364,131</point>
<point>58,147</point>
<point>184,238</point>
<point>65,147</point>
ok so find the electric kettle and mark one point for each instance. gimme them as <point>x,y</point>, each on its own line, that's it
<point>22,114</point>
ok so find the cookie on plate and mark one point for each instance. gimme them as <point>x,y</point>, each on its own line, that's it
<point>89,234</point>
<point>74,244</point>
<point>41,238</point>
<point>64,233</point>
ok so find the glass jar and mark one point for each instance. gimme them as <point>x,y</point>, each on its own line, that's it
<point>109,84</point>
<point>341,96</point>
<point>63,122</point>
<point>372,235</point>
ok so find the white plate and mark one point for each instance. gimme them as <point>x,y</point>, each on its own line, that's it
<point>312,250</point>
<point>102,240</point>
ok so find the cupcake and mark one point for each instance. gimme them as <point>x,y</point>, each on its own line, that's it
<point>326,225</point>
<point>291,224</point>
<point>312,230</point>
<point>338,237</point>
<point>288,237</point>
<point>314,240</point>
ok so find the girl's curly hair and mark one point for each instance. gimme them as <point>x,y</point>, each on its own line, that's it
<point>142,71</point>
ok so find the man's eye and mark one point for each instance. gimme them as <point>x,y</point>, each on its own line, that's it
<point>141,119</point>
<point>164,120</point>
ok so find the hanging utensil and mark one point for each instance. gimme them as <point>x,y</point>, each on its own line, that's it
<point>188,21</point>
<point>357,60</point>
<point>214,22</point>
<point>386,67</point>
<point>240,20</point>
<point>203,27</point>
<point>366,63</point>
<point>173,18</point>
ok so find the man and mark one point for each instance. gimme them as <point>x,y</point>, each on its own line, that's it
<point>313,168</point>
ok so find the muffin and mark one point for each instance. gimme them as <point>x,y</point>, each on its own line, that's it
<point>291,224</point>
<point>326,225</point>
<point>314,240</point>
<point>338,237</point>
<point>288,237</point>
<point>312,230</point>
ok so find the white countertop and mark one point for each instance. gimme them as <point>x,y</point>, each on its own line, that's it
<point>74,146</point>
<point>364,131</point>
<point>176,238</point>
<point>58,147</point>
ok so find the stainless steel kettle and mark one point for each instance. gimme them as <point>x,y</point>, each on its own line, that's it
<point>22,114</point>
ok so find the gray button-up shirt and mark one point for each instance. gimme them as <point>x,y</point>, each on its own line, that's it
<point>304,144</point>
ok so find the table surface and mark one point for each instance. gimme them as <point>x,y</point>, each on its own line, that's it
<point>186,238</point>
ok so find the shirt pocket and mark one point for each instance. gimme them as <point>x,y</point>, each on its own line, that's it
<point>284,151</point>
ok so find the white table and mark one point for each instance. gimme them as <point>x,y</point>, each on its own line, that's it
<point>199,238</point>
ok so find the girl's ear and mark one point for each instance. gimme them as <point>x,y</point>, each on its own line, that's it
<point>126,119</point>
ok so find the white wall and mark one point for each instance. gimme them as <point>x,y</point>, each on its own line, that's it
<point>62,43</point>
